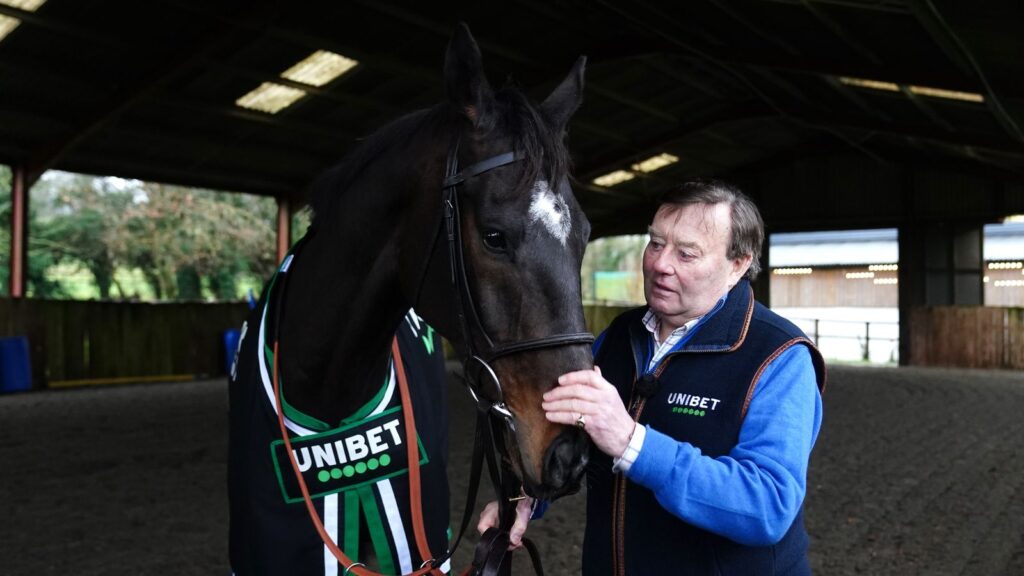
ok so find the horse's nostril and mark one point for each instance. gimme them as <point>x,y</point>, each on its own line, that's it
<point>566,460</point>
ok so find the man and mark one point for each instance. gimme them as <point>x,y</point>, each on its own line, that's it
<point>704,407</point>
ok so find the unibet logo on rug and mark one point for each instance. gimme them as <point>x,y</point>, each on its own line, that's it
<point>347,457</point>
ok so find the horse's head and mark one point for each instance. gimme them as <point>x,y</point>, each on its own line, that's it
<point>522,241</point>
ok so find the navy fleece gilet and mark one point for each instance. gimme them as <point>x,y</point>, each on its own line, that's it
<point>723,360</point>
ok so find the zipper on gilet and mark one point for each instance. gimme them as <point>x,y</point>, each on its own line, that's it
<point>636,408</point>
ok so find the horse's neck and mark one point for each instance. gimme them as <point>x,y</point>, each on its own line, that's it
<point>340,311</point>
<point>344,298</point>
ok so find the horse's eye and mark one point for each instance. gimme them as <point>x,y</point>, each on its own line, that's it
<point>495,240</point>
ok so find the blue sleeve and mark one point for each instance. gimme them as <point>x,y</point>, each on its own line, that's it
<point>753,494</point>
<point>596,346</point>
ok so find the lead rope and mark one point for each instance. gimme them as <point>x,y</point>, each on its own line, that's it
<point>352,567</point>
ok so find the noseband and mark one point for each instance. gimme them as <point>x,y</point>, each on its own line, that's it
<point>477,363</point>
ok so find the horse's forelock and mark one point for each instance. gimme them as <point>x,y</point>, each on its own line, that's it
<point>545,156</point>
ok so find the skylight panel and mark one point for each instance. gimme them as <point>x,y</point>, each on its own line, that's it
<point>655,162</point>
<point>26,5</point>
<point>319,68</point>
<point>914,89</point>
<point>270,98</point>
<point>873,84</point>
<point>613,178</point>
<point>9,23</point>
<point>947,94</point>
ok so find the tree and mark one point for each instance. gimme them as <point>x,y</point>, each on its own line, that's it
<point>185,243</point>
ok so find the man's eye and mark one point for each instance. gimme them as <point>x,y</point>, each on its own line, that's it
<point>495,240</point>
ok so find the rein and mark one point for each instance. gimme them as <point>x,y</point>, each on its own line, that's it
<point>415,490</point>
<point>351,566</point>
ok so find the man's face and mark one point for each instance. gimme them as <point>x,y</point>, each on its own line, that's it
<point>686,267</point>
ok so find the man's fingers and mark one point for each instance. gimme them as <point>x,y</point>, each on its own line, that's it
<point>567,418</point>
<point>577,405</point>
<point>488,517</point>
<point>523,511</point>
<point>589,378</point>
<point>581,392</point>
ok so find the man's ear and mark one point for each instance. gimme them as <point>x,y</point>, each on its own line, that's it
<point>739,268</point>
<point>464,76</point>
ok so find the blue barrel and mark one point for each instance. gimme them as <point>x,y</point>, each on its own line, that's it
<point>15,368</point>
<point>230,346</point>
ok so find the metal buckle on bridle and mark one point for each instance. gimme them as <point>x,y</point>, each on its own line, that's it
<point>484,404</point>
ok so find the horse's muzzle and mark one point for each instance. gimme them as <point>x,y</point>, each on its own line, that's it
<point>564,464</point>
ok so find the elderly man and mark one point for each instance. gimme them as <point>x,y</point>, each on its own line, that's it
<point>704,407</point>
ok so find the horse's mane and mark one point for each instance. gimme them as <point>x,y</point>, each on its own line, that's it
<point>544,152</point>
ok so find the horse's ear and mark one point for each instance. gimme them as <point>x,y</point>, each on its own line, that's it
<point>560,105</point>
<point>464,76</point>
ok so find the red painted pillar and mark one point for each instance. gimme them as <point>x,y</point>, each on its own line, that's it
<point>19,233</point>
<point>284,227</point>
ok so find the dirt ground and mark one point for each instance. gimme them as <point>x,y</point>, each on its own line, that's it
<point>916,472</point>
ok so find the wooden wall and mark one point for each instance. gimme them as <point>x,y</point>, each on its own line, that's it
<point>109,341</point>
<point>968,337</point>
<point>84,342</point>
<point>828,287</point>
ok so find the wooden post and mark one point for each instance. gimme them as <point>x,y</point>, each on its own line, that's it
<point>284,227</point>
<point>19,233</point>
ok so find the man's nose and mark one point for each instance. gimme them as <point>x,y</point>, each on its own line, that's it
<point>663,262</point>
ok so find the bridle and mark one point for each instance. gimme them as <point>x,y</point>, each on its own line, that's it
<point>477,359</point>
<point>491,556</point>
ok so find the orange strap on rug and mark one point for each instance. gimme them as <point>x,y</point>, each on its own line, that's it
<point>415,498</point>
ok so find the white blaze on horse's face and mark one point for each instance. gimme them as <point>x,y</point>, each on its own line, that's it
<point>550,211</point>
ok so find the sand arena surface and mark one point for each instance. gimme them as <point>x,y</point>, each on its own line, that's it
<point>917,471</point>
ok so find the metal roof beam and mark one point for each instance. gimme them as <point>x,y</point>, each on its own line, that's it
<point>989,141</point>
<point>755,28</point>
<point>926,109</point>
<point>855,97</point>
<point>890,6</point>
<point>654,41</point>
<point>955,49</point>
<point>69,29</point>
<point>314,42</point>
<point>514,56</point>
<point>838,29</point>
<point>747,109</point>
<point>280,122</point>
<point>259,184</point>
<point>48,155</point>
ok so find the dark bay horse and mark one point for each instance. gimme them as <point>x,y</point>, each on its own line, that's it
<point>463,213</point>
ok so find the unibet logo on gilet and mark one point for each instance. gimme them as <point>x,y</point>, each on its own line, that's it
<point>347,457</point>
<point>691,404</point>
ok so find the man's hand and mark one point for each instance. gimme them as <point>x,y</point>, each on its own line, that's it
<point>586,394</point>
<point>489,519</point>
